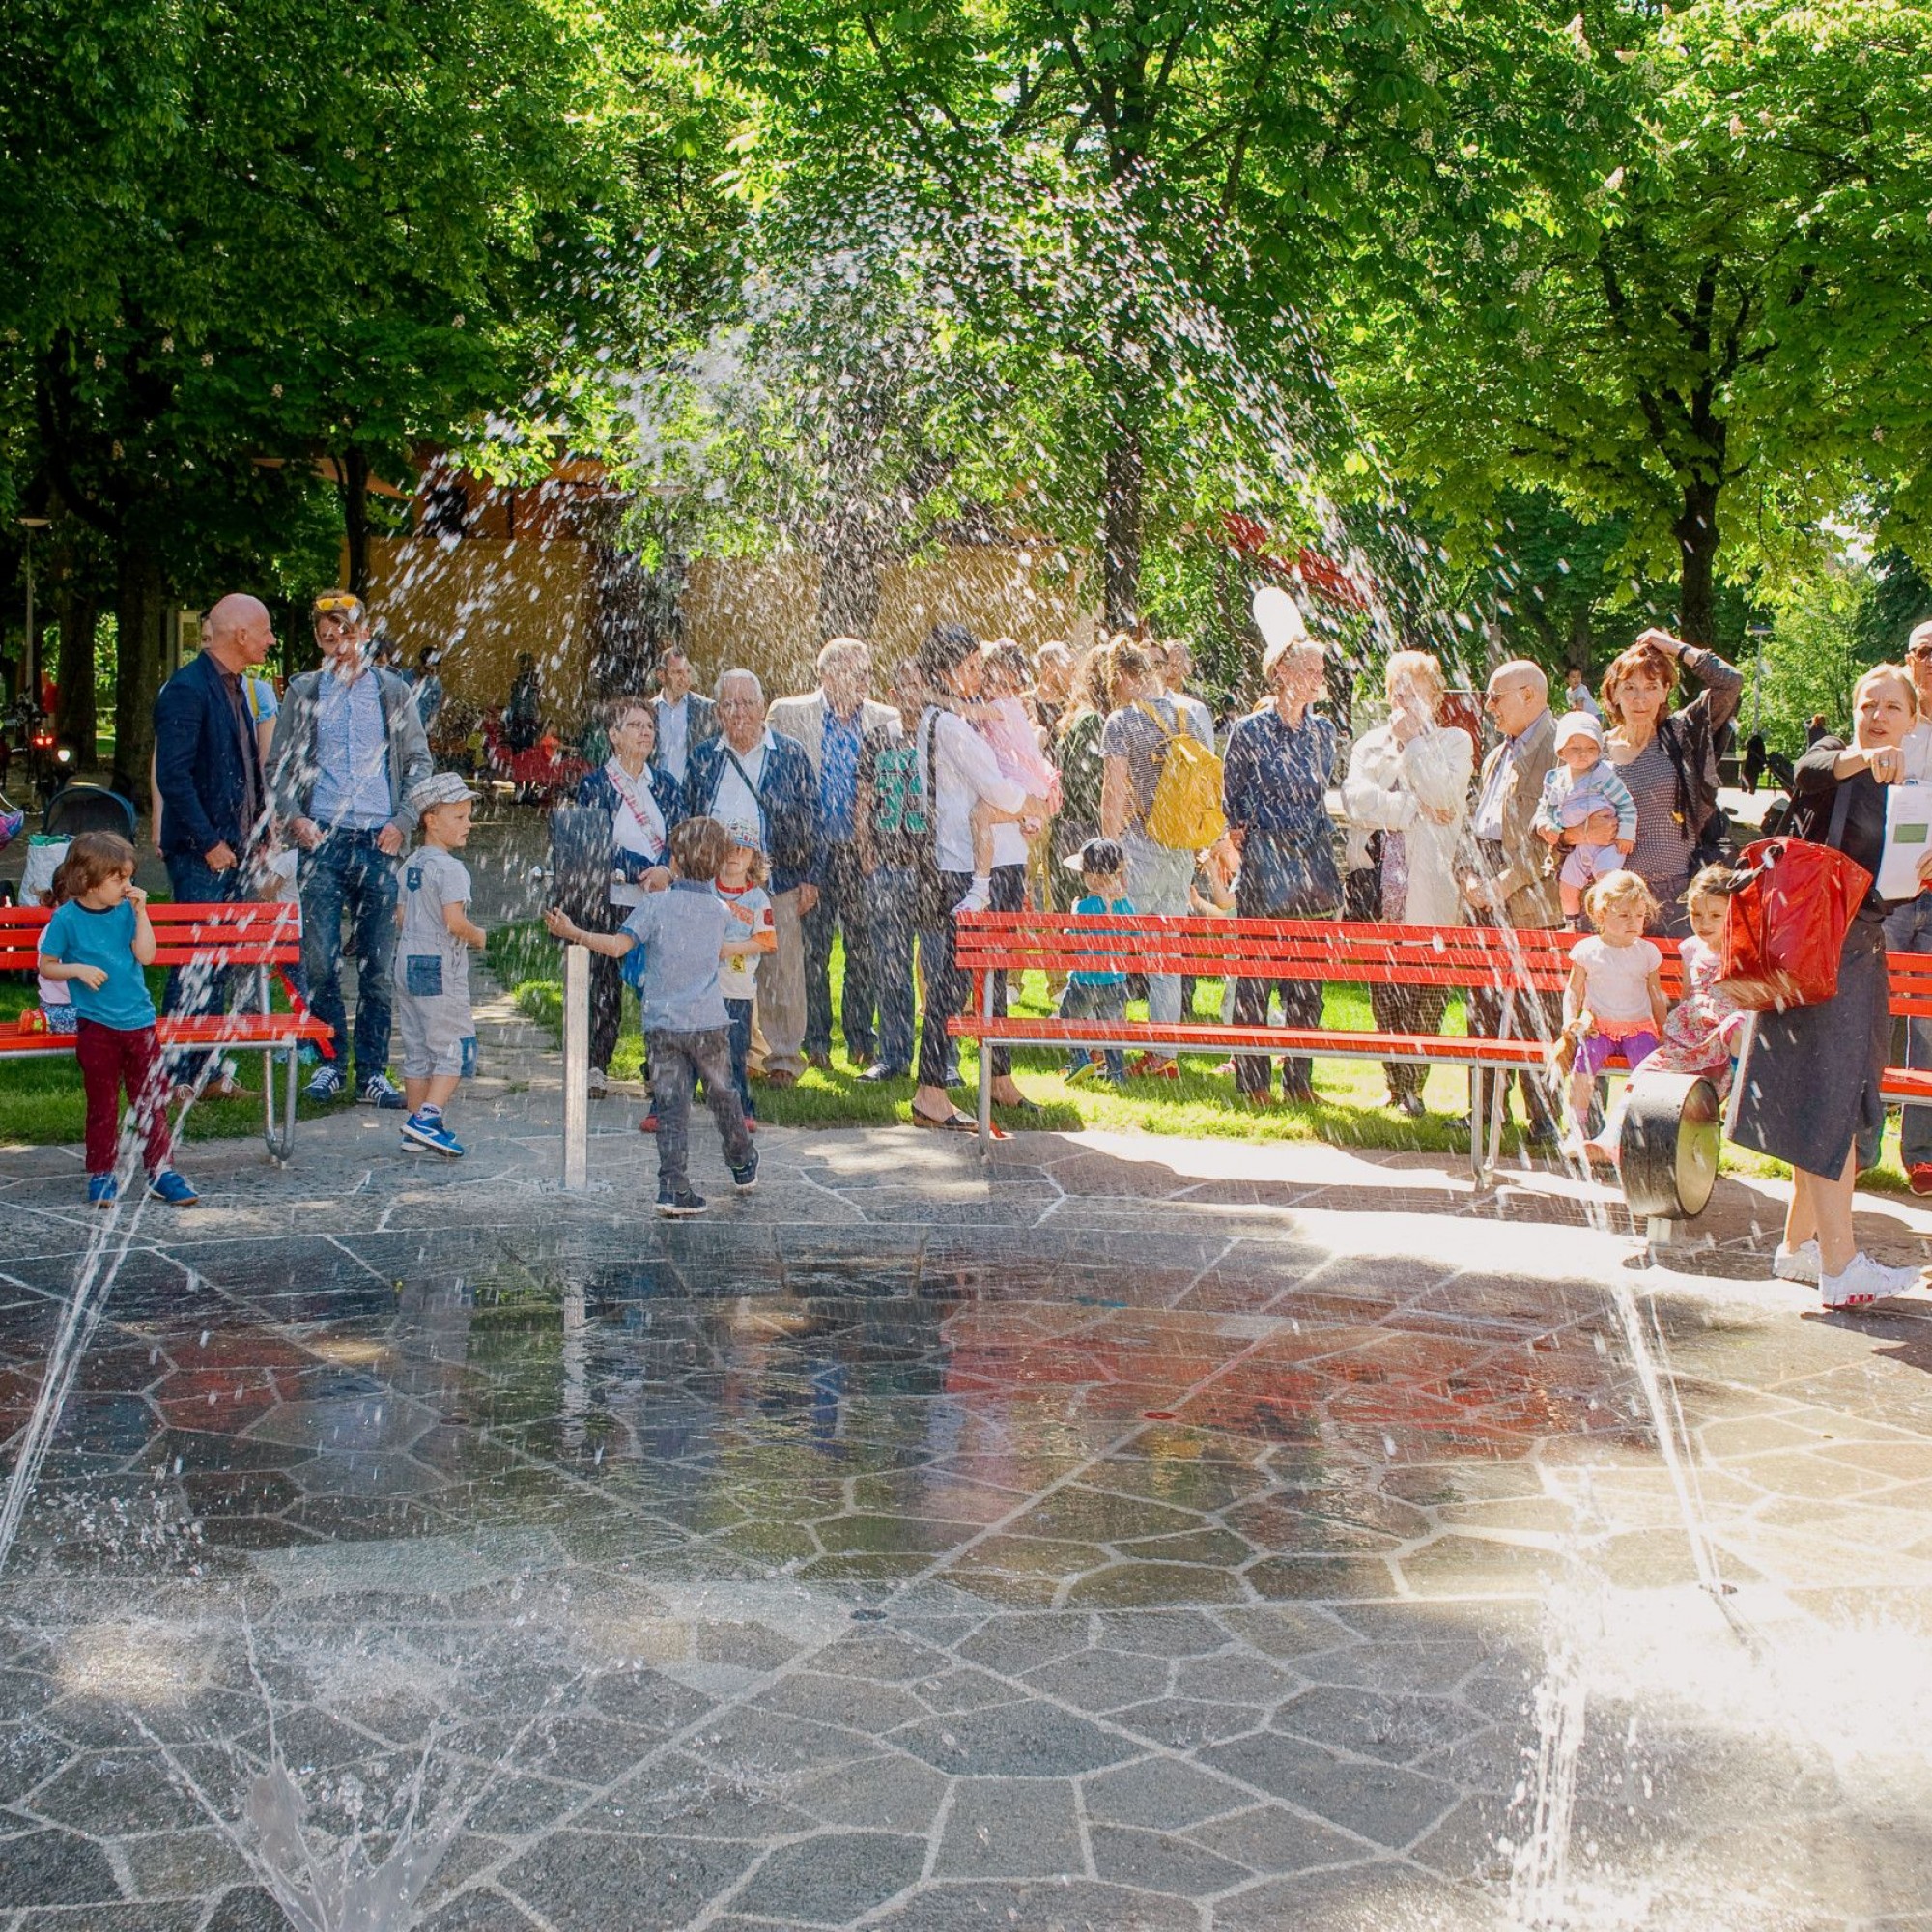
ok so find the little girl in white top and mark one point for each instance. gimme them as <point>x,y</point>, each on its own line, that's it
<point>1615,997</point>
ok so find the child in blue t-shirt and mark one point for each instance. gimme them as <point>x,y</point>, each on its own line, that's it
<point>96,944</point>
<point>1093,994</point>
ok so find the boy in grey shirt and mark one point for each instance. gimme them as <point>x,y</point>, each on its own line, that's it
<point>685,933</point>
<point>431,973</point>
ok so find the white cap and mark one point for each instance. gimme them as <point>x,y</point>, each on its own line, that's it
<point>1579,724</point>
<point>1278,616</point>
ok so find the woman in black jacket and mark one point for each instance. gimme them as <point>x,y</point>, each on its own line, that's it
<point>1808,1080</point>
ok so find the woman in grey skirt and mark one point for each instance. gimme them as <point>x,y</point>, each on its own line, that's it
<point>1809,1082</point>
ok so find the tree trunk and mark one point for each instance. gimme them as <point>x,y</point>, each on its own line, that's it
<point>74,719</point>
<point>354,469</point>
<point>849,562</point>
<point>138,665</point>
<point>1121,529</point>
<point>1696,533</point>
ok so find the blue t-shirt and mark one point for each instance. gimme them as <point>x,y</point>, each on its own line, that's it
<point>681,930</point>
<point>1093,906</point>
<point>80,936</point>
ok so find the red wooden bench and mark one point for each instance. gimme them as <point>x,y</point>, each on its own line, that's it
<point>1462,958</point>
<point>262,938</point>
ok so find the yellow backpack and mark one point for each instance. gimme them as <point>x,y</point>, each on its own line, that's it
<point>1185,814</point>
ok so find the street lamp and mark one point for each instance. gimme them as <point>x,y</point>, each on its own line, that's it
<point>30,667</point>
<point>1760,631</point>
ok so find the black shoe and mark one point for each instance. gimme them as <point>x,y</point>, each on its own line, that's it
<point>745,1179</point>
<point>679,1204</point>
<point>880,1071</point>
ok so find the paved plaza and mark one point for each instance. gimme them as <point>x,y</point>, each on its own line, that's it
<point>1134,1533</point>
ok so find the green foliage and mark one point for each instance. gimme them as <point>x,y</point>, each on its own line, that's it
<point>1704,327</point>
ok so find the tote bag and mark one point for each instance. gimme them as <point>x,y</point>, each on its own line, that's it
<point>1785,927</point>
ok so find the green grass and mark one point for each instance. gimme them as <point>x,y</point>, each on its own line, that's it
<point>1348,1110</point>
<point>41,1103</point>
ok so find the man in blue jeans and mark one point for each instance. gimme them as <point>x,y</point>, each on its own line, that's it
<point>349,748</point>
<point>208,777</point>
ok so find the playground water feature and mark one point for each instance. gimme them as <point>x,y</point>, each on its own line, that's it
<point>333,1880</point>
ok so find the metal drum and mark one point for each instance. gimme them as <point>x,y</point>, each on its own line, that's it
<point>1673,1129</point>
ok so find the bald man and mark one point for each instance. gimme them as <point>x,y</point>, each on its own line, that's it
<point>207,772</point>
<point>1515,883</point>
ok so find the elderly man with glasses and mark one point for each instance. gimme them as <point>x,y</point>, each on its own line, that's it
<point>750,775</point>
<point>349,748</point>
<point>1515,885</point>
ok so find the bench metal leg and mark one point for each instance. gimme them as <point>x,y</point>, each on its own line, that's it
<point>985,1070</point>
<point>280,1139</point>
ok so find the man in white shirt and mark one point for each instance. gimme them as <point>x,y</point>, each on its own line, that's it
<point>684,719</point>
<point>957,769</point>
<point>1577,693</point>
<point>750,775</point>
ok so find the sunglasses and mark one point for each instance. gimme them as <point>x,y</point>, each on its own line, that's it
<point>336,607</point>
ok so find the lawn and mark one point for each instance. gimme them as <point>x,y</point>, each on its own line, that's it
<point>1349,1109</point>
<point>41,1103</point>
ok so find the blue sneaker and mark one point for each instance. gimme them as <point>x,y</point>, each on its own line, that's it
<point>426,1129</point>
<point>101,1190</point>
<point>745,1179</point>
<point>325,1084</point>
<point>167,1185</point>
<point>679,1204</point>
<point>380,1091</point>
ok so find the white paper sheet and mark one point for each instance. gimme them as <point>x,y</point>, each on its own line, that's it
<point>1908,837</point>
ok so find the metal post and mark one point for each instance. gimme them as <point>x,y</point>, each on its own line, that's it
<point>576,1068</point>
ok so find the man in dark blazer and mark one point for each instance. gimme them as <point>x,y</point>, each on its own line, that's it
<point>750,775</point>
<point>685,720</point>
<point>207,772</point>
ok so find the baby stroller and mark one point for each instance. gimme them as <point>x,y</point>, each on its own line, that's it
<point>87,808</point>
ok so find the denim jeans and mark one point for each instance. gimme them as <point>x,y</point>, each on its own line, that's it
<point>842,903</point>
<point>676,1058</point>
<point>740,1035</point>
<point>198,989</point>
<point>347,873</point>
<point>891,908</point>
<point>1909,929</point>
<point>1086,1002</point>
<point>1157,882</point>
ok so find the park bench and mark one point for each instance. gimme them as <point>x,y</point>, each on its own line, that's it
<point>1461,958</point>
<point>258,938</point>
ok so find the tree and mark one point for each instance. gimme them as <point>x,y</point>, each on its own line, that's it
<point>1710,327</point>
<point>295,230</point>
<point>1137,197</point>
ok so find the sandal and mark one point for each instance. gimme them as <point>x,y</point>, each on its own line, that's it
<point>958,1122</point>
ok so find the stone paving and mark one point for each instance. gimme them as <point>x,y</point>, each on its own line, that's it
<point>1126,1534</point>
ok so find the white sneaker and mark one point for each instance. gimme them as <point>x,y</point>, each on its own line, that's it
<point>1864,1280</point>
<point>1798,1263</point>
<point>978,897</point>
<point>599,1085</point>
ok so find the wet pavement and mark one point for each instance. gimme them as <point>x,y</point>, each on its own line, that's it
<point>1130,1534</point>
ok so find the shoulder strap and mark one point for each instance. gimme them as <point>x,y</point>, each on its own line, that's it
<point>1140,704</point>
<point>1841,806</point>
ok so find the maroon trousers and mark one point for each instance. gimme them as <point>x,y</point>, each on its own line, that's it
<point>111,1060</point>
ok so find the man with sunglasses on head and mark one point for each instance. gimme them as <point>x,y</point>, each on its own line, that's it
<point>349,748</point>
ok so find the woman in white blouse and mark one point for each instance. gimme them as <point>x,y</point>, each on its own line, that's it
<point>642,801</point>
<point>1410,780</point>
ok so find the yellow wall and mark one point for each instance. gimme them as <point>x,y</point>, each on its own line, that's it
<point>483,601</point>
